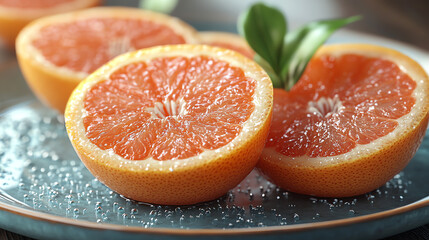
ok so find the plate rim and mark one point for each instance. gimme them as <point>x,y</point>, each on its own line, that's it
<point>84,224</point>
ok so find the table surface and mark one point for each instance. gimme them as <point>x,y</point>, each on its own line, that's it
<point>393,19</point>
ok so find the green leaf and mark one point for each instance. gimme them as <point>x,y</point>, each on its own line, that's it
<point>162,6</point>
<point>284,56</point>
<point>301,44</point>
<point>264,28</point>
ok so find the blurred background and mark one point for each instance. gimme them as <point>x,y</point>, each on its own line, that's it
<point>398,20</point>
<point>404,21</point>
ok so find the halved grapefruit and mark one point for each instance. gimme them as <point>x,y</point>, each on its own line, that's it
<point>354,120</point>
<point>176,124</point>
<point>57,52</point>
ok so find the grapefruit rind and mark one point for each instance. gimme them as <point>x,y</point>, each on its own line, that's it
<point>196,179</point>
<point>366,167</point>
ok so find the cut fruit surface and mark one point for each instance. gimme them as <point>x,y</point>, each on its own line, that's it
<point>178,124</point>
<point>173,107</point>
<point>92,42</point>
<point>15,14</point>
<point>57,52</point>
<point>354,120</point>
<point>227,40</point>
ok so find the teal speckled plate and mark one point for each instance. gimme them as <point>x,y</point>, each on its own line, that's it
<point>47,193</point>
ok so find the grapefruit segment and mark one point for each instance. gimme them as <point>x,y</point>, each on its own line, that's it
<point>353,121</point>
<point>177,124</point>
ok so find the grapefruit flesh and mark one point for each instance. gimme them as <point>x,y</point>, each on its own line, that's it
<point>89,43</point>
<point>324,116</point>
<point>170,108</point>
